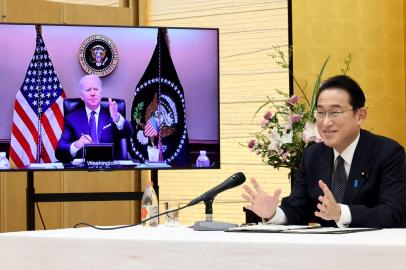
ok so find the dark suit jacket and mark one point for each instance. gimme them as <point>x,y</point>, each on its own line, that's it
<point>77,123</point>
<point>375,191</point>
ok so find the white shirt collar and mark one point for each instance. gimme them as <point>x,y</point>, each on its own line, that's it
<point>348,153</point>
<point>89,111</point>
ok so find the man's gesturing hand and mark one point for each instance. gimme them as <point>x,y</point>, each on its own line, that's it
<point>262,204</point>
<point>329,209</point>
<point>113,110</point>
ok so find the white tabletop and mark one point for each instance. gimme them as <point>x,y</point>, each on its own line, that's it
<point>182,248</point>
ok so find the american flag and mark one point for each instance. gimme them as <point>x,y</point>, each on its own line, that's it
<point>151,128</point>
<point>38,112</point>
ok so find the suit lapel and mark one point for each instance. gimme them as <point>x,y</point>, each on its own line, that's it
<point>84,122</point>
<point>358,170</point>
<point>326,165</point>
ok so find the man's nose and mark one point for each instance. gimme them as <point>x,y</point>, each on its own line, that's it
<point>327,121</point>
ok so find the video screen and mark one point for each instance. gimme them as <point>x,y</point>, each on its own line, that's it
<point>100,97</point>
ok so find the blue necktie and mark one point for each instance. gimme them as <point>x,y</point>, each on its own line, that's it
<point>339,180</point>
<point>92,124</point>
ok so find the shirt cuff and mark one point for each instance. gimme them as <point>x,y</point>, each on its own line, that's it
<point>120,122</point>
<point>345,218</point>
<point>73,149</point>
<point>279,218</point>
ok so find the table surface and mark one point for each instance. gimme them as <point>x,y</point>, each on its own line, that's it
<point>182,248</point>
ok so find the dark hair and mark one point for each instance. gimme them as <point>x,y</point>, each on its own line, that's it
<point>344,82</point>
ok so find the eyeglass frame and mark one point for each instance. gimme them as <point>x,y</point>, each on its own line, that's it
<point>331,115</point>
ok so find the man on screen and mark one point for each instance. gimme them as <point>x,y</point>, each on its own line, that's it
<point>92,123</point>
<point>353,178</point>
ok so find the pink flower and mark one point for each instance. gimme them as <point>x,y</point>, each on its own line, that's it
<point>268,115</point>
<point>284,157</point>
<point>265,123</point>
<point>293,100</point>
<point>251,144</point>
<point>296,118</point>
<point>318,137</point>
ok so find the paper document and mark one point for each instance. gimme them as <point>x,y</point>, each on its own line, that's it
<point>78,161</point>
<point>305,229</point>
<point>271,228</point>
<point>127,163</point>
<point>331,230</point>
<point>149,164</point>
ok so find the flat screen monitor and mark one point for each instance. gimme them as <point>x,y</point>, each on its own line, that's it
<point>151,92</point>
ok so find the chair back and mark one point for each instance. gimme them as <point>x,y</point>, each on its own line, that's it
<point>73,104</point>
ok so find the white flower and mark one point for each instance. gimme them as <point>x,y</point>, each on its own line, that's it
<point>287,137</point>
<point>310,133</point>
<point>275,140</point>
<point>288,124</point>
<point>275,146</point>
<point>274,135</point>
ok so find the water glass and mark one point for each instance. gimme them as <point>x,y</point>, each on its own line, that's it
<point>172,219</point>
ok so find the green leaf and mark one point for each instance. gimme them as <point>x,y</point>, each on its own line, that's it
<point>316,87</point>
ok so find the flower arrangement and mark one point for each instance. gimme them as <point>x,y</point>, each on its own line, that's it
<point>288,125</point>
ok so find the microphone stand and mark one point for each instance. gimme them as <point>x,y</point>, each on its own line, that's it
<point>209,224</point>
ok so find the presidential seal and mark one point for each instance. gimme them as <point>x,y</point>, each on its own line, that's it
<point>98,55</point>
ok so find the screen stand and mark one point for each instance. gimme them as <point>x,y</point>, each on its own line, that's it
<point>209,224</point>
<point>154,180</point>
<point>32,197</point>
<point>30,201</point>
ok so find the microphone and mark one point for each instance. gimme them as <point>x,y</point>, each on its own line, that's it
<point>233,181</point>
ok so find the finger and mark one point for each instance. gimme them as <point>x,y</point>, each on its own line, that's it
<point>83,139</point>
<point>110,101</point>
<point>253,181</point>
<point>318,214</point>
<point>256,185</point>
<point>321,199</point>
<point>325,202</point>
<point>249,191</point>
<point>325,188</point>
<point>246,197</point>
<point>87,138</point>
<point>321,207</point>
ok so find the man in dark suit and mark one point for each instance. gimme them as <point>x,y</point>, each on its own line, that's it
<point>352,179</point>
<point>92,123</point>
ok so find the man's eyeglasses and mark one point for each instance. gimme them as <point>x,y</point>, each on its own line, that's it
<point>332,115</point>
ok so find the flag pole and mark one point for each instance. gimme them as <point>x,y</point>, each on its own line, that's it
<point>38,29</point>
<point>161,33</point>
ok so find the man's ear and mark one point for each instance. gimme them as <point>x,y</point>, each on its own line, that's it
<point>362,114</point>
<point>81,95</point>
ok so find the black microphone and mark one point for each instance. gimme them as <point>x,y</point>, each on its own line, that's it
<point>233,181</point>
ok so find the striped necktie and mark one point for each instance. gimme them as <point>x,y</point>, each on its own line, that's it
<point>92,125</point>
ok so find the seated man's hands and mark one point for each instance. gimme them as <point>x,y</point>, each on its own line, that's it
<point>113,110</point>
<point>329,209</point>
<point>262,204</point>
<point>84,139</point>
